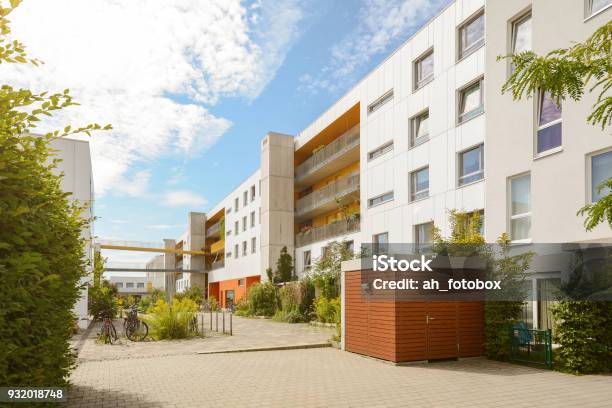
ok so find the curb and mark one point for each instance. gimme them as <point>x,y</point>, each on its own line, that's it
<point>271,348</point>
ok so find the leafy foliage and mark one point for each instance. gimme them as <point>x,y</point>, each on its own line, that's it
<point>103,300</point>
<point>295,302</point>
<point>41,250</point>
<point>465,238</point>
<point>599,211</point>
<point>194,293</point>
<point>284,267</point>
<point>260,300</point>
<point>98,268</point>
<point>171,321</point>
<point>327,310</point>
<point>326,271</point>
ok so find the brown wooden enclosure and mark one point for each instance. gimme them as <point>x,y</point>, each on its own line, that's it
<point>402,330</point>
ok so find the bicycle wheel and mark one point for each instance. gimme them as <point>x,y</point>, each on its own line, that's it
<point>113,332</point>
<point>137,331</point>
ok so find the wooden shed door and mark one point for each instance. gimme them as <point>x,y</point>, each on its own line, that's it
<point>442,339</point>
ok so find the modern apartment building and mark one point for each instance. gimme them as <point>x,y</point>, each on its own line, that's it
<point>409,142</point>
<point>130,285</point>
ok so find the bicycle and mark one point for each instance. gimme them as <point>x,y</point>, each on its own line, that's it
<point>134,328</point>
<point>108,331</point>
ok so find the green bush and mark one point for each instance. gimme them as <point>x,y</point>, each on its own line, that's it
<point>144,304</point>
<point>295,302</point>
<point>171,321</point>
<point>102,300</point>
<point>584,332</point>
<point>212,303</point>
<point>194,293</point>
<point>327,310</point>
<point>260,300</point>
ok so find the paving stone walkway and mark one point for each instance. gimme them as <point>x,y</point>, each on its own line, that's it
<point>325,377</point>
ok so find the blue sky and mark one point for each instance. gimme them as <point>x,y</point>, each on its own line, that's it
<point>191,97</point>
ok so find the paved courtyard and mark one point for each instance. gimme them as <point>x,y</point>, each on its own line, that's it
<point>164,374</point>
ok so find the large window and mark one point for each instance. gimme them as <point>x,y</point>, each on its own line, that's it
<point>377,104</point>
<point>419,126</point>
<point>236,251</point>
<point>236,203</point>
<point>253,245</point>
<point>307,260</point>
<point>252,192</point>
<point>419,184</point>
<point>245,198</point>
<point>549,124</point>
<point>139,284</point>
<point>252,219</point>
<point>471,165</point>
<point>423,70</point>
<point>423,236</point>
<point>379,151</point>
<point>129,285</point>
<point>471,35</point>
<point>244,248</point>
<point>381,199</point>
<point>594,6</point>
<point>244,223</point>
<point>380,243</point>
<point>471,101</point>
<point>521,35</point>
<point>520,208</point>
<point>119,285</point>
<point>601,170</point>
<point>236,227</point>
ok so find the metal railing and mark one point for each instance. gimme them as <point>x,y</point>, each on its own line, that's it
<point>213,229</point>
<point>217,265</point>
<point>326,231</point>
<point>336,148</point>
<point>531,346</point>
<point>328,193</point>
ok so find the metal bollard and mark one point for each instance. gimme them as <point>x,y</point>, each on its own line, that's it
<point>202,324</point>
<point>210,320</point>
<point>231,314</point>
<point>217,321</point>
<point>224,322</point>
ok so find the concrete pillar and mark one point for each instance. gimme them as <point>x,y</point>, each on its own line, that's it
<point>277,207</point>
<point>170,263</point>
<point>196,236</point>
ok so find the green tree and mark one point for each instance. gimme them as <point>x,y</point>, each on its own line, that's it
<point>284,267</point>
<point>567,73</point>
<point>327,269</point>
<point>41,250</point>
<point>98,268</point>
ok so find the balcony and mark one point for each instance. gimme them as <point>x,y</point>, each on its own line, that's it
<point>217,265</point>
<point>324,199</point>
<point>327,161</point>
<point>342,227</point>
<point>214,229</point>
<point>218,246</point>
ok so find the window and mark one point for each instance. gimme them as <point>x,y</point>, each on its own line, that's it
<point>521,34</point>
<point>471,35</point>
<point>383,198</point>
<point>377,104</point>
<point>240,282</point>
<point>520,208</point>
<point>471,103</point>
<point>549,124</point>
<point>129,285</point>
<point>307,260</point>
<point>244,248</point>
<point>601,170</point>
<point>471,165</point>
<point>253,245</point>
<point>324,251</point>
<point>140,284</point>
<point>594,6</point>
<point>419,184</point>
<point>244,223</point>
<point>229,210</point>
<point>381,243</point>
<point>252,219</point>
<point>423,236</point>
<point>481,220</point>
<point>236,250</point>
<point>119,285</point>
<point>423,70</point>
<point>387,147</point>
<point>228,232</point>
<point>260,188</point>
<point>236,227</point>
<point>349,246</point>
<point>419,128</point>
<point>245,198</point>
<point>236,203</point>
<point>253,192</point>
<point>228,254</point>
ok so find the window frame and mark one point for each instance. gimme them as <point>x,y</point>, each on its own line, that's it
<point>414,140</point>
<point>252,220</point>
<point>539,102</point>
<point>308,265</point>
<point>376,244</point>
<point>460,166</point>
<point>417,244</point>
<point>253,245</point>
<point>589,172</point>
<point>416,69</point>
<point>241,282</point>
<point>253,193</point>
<point>464,53</point>
<point>512,216</point>
<point>237,203</point>
<point>467,116</point>
<point>588,9</point>
<point>236,227</point>
<point>417,195</point>
<point>380,101</point>
<point>383,199</point>
<point>245,248</point>
<point>236,250</point>
<point>514,24</point>
<point>380,150</point>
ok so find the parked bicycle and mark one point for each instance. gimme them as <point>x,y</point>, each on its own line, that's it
<point>134,328</point>
<point>108,332</point>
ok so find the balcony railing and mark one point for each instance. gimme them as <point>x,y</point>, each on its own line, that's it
<point>336,148</point>
<point>327,194</point>
<point>214,229</point>
<point>217,246</point>
<point>217,265</point>
<point>327,231</point>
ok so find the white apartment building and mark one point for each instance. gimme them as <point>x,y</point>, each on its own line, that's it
<point>410,142</point>
<point>130,285</point>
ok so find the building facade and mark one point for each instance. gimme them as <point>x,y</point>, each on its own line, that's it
<point>409,142</point>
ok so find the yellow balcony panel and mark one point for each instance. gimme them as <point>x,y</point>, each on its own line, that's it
<point>218,246</point>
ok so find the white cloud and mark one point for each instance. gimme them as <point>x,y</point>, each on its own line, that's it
<point>183,198</point>
<point>123,59</point>
<point>164,226</point>
<point>380,24</point>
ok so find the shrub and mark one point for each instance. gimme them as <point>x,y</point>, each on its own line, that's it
<point>326,272</point>
<point>144,304</point>
<point>102,300</point>
<point>212,303</point>
<point>194,293</point>
<point>171,321</point>
<point>327,310</point>
<point>260,300</point>
<point>295,302</point>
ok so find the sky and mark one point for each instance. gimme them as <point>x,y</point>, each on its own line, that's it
<point>191,86</point>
